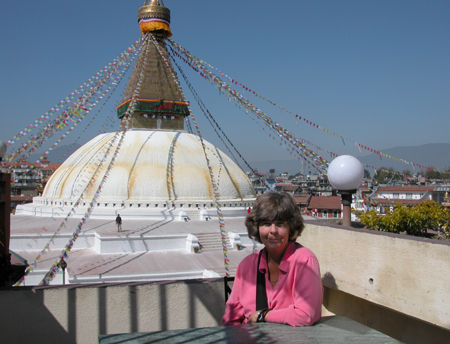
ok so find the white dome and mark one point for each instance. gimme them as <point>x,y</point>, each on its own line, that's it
<point>150,166</point>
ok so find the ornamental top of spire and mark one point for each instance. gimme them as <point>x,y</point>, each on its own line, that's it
<point>153,16</point>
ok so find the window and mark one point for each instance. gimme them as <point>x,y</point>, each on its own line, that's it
<point>408,196</point>
<point>396,195</point>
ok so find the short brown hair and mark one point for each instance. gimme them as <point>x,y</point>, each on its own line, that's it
<point>274,206</point>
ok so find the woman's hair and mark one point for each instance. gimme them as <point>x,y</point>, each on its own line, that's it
<point>274,206</point>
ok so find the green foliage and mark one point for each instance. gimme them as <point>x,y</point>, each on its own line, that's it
<point>387,174</point>
<point>415,220</point>
<point>432,174</point>
<point>372,220</point>
<point>407,173</point>
<point>366,173</point>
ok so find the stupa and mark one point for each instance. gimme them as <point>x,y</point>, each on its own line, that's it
<point>159,166</point>
<point>159,182</point>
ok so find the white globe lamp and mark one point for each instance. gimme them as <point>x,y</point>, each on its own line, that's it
<point>345,174</point>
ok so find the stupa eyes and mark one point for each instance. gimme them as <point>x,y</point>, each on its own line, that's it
<point>151,116</point>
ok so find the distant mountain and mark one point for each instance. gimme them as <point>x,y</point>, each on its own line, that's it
<point>435,155</point>
<point>57,154</point>
<point>280,166</point>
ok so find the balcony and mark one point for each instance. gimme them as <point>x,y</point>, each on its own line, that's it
<point>395,284</point>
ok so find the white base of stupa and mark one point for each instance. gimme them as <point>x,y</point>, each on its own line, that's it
<point>184,211</point>
<point>147,249</point>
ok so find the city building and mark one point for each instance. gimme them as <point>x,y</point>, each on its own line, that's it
<point>325,207</point>
<point>385,197</point>
<point>28,179</point>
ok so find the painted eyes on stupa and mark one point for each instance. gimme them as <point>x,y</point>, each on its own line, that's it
<point>151,116</point>
<point>147,115</point>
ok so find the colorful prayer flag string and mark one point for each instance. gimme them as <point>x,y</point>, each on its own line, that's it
<point>102,156</point>
<point>200,66</point>
<point>211,172</point>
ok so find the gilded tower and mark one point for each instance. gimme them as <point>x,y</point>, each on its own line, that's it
<point>160,104</point>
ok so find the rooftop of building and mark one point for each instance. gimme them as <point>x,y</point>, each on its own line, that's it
<point>325,202</point>
<point>389,282</point>
<point>406,188</point>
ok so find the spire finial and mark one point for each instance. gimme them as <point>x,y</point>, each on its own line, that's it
<point>154,2</point>
<point>154,17</point>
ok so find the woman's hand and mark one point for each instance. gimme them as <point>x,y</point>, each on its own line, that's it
<point>253,317</point>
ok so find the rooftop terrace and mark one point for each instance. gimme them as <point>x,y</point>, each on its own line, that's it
<point>395,284</point>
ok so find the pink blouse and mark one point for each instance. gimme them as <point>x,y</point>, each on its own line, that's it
<point>296,299</point>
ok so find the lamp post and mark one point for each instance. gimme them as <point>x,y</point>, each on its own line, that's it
<point>345,174</point>
<point>63,265</point>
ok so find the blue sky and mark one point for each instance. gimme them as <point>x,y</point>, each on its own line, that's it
<point>375,72</point>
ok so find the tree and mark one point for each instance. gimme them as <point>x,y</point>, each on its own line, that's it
<point>407,173</point>
<point>446,173</point>
<point>413,220</point>
<point>432,173</point>
<point>366,173</point>
<point>386,174</point>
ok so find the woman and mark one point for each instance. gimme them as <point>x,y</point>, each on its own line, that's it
<point>290,287</point>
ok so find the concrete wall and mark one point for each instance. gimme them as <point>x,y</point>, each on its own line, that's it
<point>78,314</point>
<point>395,284</point>
<point>371,274</point>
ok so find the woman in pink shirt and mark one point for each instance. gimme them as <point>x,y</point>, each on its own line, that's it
<point>286,274</point>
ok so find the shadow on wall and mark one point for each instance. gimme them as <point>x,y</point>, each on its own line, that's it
<point>329,281</point>
<point>80,313</point>
<point>26,319</point>
<point>215,304</point>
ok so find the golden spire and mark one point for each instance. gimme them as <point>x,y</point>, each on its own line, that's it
<point>160,104</point>
<point>154,17</point>
<point>154,3</point>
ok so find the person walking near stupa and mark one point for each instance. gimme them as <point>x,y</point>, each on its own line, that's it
<point>119,223</point>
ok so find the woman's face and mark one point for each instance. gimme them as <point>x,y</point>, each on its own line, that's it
<point>274,235</point>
